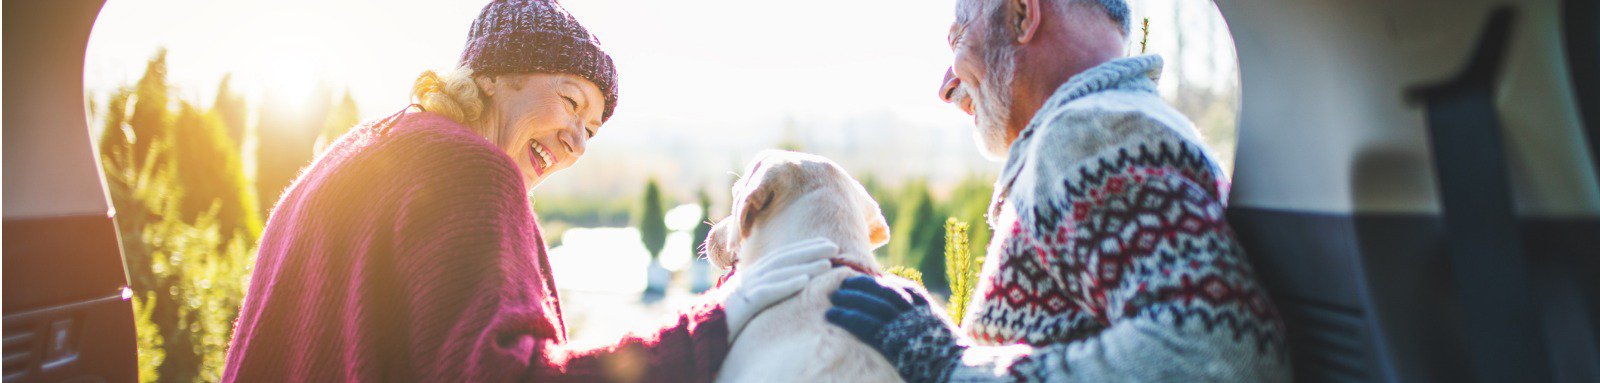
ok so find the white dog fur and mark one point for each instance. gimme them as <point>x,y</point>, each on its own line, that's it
<point>787,197</point>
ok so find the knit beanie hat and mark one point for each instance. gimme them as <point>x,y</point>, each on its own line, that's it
<point>538,36</point>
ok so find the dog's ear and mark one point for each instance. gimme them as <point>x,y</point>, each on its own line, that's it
<point>878,229</point>
<point>756,203</point>
<point>877,226</point>
<point>760,190</point>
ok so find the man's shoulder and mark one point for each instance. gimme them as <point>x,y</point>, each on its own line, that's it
<point>1083,144</point>
<point>1086,130</point>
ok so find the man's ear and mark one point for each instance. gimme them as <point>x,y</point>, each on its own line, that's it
<point>1025,18</point>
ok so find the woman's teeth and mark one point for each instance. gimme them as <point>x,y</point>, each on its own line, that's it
<point>543,156</point>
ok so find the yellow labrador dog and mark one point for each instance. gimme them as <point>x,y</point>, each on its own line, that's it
<point>783,198</point>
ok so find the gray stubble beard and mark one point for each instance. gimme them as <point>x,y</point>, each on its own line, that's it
<point>993,105</point>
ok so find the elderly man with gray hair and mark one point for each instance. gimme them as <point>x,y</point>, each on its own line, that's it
<point>1112,259</point>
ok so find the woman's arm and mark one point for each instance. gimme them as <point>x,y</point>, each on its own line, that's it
<point>480,304</point>
<point>690,348</point>
<point>481,310</point>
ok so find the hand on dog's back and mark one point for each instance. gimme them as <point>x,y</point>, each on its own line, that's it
<point>784,197</point>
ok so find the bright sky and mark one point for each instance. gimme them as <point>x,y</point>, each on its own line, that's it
<point>707,76</point>
<point>706,61</point>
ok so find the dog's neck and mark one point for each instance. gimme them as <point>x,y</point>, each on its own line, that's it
<point>812,215</point>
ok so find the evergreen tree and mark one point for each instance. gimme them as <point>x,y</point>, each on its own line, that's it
<point>151,119</point>
<point>652,221</point>
<point>888,203</point>
<point>700,270</point>
<point>341,118</point>
<point>115,144</point>
<point>920,231</point>
<point>702,229</point>
<point>969,202</point>
<point>286,135</point>
<point>170,180</point>
<point>232,109</point>
<point>961,267</point>
<point>209,169</point>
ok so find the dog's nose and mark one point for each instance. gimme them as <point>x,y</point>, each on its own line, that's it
<point>947,89</point>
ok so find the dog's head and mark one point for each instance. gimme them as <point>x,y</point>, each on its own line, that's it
<point>797,191</point>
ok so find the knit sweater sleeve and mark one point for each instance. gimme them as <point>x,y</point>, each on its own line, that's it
<point>688,348</point>
<point>473,298</point>
<point>1155,286</point>
<point>1159,273</point>
<point>479,302</point>
<point>475,301</point>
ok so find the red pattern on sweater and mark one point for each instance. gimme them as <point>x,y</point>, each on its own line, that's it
<point>414,256</point>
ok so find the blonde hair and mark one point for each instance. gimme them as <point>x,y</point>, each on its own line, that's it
<point>454,95</point>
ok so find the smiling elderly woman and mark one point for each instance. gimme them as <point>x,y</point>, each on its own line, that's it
<point>408,250</point>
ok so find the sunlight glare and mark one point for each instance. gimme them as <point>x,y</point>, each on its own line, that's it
<point>288,79</point>
<point>676,255</point>
<point>683,217</point>
<point>607,259</point>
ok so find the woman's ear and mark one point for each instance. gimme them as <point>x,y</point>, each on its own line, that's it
<point>486,84</point>
<point>1026,18</point>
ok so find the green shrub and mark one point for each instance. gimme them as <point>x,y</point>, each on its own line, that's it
<point>209,170</point>
<point>907,273</point>
<point>187,223</point>
<point>962,267</point>
<point>916,235</point>
<point>188,277</point>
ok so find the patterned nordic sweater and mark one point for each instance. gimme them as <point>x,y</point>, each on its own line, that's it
<point>1111,259</point>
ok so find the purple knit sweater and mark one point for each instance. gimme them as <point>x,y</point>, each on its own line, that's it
<point>414,256</point>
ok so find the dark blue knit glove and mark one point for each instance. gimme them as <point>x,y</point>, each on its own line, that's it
<point>900,324</point>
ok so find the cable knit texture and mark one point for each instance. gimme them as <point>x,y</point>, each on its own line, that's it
<point>1112,260</point>
<point>538,36</point>
<point>414,256</point>
<point>918,354</point>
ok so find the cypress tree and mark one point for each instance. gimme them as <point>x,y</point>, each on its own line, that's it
<point>921,236</point>
<point>652,222</point>
<point>209,170</point>
<point>115,145</point>
<point>151,119</point>
<point>232,109</point>
<point>286,136</point>
<point>341,118</point>
<point>170,179</point>
<point>702,229</point>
